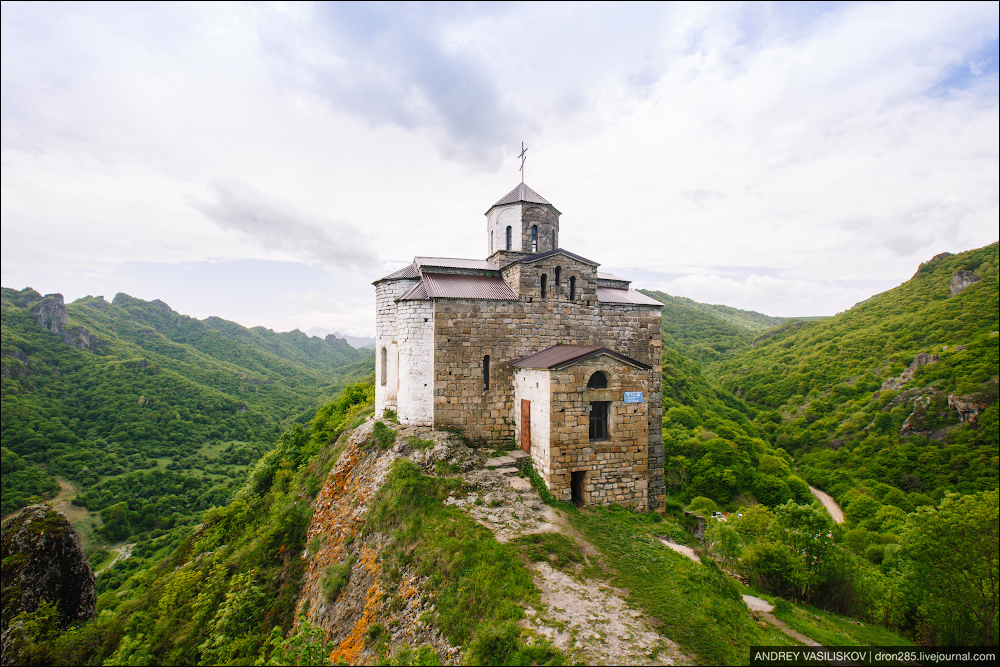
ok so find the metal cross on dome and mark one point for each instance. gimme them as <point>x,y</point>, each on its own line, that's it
<point>523,151</point>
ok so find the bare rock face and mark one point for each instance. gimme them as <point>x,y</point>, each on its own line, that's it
<point>50,313</point>
<point>907,375</point>
<point>42,558</point>
<point>962,279</point>
<point>967,407</point>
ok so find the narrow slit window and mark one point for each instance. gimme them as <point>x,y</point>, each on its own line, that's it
<point>572,288</point>
<point>384,365</point>
<point>534,238</point>
<point>553,239</point>
<point>508,237</point>
<point>545,280</point>
<point>486,372</point>
<point>558,275</point>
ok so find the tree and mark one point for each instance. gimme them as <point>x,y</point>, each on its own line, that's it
<point>953,551</point>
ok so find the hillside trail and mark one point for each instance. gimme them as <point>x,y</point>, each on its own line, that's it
<point>829,503</point>
<point>587,619</point>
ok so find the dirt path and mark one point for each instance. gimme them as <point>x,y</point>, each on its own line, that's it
<point>829,503</point>
<point>681,549</point>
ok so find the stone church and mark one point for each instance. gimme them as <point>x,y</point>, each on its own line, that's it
<point>532,344</point>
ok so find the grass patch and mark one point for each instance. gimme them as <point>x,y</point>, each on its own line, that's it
<point>335,578</point>
<point>390,416</point>
<point>444,468</point>
<point>419,443</point>
<point>834,630</point>
<point>699,606</point>
<point>556,549</point>
<point>382,437</point>
<point>477,584</point>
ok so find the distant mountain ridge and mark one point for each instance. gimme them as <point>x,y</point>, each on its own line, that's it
<point>357,342</point>
<point>94,388</point>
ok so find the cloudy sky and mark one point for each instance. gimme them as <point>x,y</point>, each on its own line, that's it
<point>266,162</point>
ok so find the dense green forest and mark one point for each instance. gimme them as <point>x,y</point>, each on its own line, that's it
<point>152,414</point>
<point>827,403</point>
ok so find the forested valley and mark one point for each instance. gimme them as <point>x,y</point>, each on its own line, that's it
<point>205,446</point>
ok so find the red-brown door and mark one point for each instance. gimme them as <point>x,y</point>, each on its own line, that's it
<point>526,425</point>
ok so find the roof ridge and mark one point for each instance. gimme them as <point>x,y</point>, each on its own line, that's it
<point>522,193</point>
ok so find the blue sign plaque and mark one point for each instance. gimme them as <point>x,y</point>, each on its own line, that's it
<point>633,397</point>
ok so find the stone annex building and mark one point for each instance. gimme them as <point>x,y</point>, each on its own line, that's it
<point>532,343</point>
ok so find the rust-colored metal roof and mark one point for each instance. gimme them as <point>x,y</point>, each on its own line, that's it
<point>416,293</point>
<point>408,271</point>
<point>561,356</point>
<point>522,193</point>
<point>557,251</point>
<point>455,263</point>
<point>457,286</point>
<point>612,295</point>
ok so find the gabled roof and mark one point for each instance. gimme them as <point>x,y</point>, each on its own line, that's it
<point>457,286</point>
<point>408,271</point>
<point>522,193</point>
<point>610,276</point>
<point>557,251</point>
<point>612,295</point>
<point>561,356</point>
<point>455,263</point>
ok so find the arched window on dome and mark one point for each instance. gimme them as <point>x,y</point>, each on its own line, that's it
<point>534,238</point>
<point>508,237</point>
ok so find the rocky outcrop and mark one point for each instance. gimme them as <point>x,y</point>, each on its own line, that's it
<point>914,424</point>
<point>967,407</point>
<point>14,363</point>
<point>50,314</point>
<point>42,559</point>
<point>921,359</point>
<point>962,279</point>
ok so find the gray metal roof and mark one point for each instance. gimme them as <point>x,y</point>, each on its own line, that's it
<point>557,251</point>
<point>456,263</point>
<point>457,286</point>
<point>561,356</point>
<point>610,276</point>
<point>522,193</point>
<point>612,295</point>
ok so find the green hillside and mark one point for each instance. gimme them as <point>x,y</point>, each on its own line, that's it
<point>708,332</point>
<point>822,384</point>
<point>130,395</point>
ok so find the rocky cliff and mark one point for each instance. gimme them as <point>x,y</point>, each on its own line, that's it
<point>42,560</point>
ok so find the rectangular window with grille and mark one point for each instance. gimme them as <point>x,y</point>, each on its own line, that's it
<point>599,420</point>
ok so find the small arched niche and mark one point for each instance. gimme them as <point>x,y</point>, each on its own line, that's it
<point>598,381</point>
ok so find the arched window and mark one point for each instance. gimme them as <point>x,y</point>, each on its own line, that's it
<point>572,288</point>
<point>491,241</point>
<point>598,381</point>
<point>384,366</point>
<point>534,238</point>
<point>508,237</point>
<point>558,275</point>
<point>545,280</point>
<point>486,372</point>
<point>553,239</point>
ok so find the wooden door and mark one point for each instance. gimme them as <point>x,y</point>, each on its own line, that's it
<point>526,425</point>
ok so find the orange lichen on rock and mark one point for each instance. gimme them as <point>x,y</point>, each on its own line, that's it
<point>354,643</point>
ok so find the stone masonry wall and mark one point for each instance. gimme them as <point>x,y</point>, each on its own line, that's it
<point>386,330</point>
<point>415,402</point>
<point>617,468</point>
<point>533,384</point>
<point>465,330</point>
